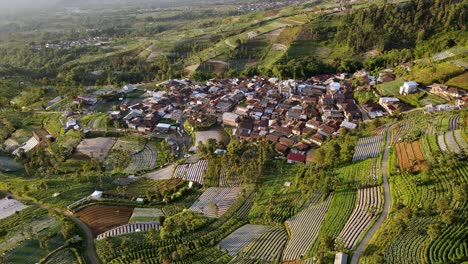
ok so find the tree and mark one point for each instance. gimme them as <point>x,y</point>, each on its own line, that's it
<point>152,236</point>
<point>125,243</point>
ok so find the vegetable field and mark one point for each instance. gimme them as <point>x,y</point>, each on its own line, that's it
<point>368,147</point>
<point>241,237</point>
<point>214,202</point>
<point>267,247</point>
<point>143,160</point>
<point>191,171</point>
<point>363,173</point>
<point>369,203</point>
<point>102,218</point>
<point>304,228</point>
<point>409,156</point>
<point>337,215</point>
<point>408,246</point>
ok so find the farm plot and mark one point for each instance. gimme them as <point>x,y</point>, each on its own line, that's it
<point>96,147</point>
<point>229,181</point>
<point>128,229</point>
<point>304,228</point>
<point>267,247</point>
<point>409,156</point>
<point>368,147</point>
<point>401,130</point>
<point>369,202</point>
<point>102,218</point>
<point>129,145</point>
<point>363,173</point>
<point>460,140</point>
<point>441,142</point>
<point>9,207</point>
<point>143,160</point>
<point>241,237</point>
<point>407,247</point>
<point>454,122</point>
<point>95,121</point>
<point>336,217</point>
<point>191,171</point>
<point>214,202</point>
<point>451,143</point>
<point>145,215</point>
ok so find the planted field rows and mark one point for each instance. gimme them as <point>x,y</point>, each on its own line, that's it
<point>452,141</point>
<point>454,122</point>
<point>102,218</point>
<point>143,160</point>
<point>304,228</point>
<point>460,140</point>
<point>363,173</point>
<point>368,147</point>
<point>401,130</point>
<point>241,237</point>
<point>337,215</point>
<point>191,171</point>
<point>232,181</point>
<point>214,202</point>
<point>409,156</point>
<point>128,229</point>
<point>131,146</point>
<point>267,247</point>
<point>369,203</point>
<point>450,247</point>
<point>441,143</point>
<point>408,246</point>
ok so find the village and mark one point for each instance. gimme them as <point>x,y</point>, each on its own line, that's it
<point>296,116</point>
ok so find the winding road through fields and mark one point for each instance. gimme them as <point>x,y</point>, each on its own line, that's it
<point>90,249</point>
<point>360,249</point>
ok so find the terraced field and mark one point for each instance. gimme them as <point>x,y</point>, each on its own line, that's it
<point>191,171</point>
<point>143,160</point>
<point>409,156</point>
<point>363,173</point>
<point>337,215</point>
<point>368,147</point>
<point>369,203</point>
<point>102,218</point>
<point>454,122</point>
<point>214,202</point>
<point>241,237</point>
<point>267,247</point>
<point>304,228</point>
<point>408,246</point>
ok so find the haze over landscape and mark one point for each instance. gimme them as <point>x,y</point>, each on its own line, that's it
<point>233,131</point>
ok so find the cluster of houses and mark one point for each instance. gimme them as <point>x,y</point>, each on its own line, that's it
<point>68,44</point>
<point>294,115</point>
<point>268,5</point>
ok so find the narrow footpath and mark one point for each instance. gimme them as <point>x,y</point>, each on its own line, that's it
<point>360,249</point>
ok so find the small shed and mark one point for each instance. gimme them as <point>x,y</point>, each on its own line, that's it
<point>341,258</point>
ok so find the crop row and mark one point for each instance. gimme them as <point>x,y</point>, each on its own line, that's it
<point>143,160</point>
<point>234,242</point>
<point>369,202</point>
<point>268,246</point>
<point>408,246</point>
<point>360,174</point>
<point>368,147</point>
<point>337,215</point>
<point>304,228</point>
